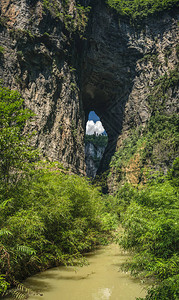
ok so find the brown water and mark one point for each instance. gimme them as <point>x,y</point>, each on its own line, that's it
<point>100,280</point>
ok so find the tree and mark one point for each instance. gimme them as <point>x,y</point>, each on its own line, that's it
<point>15,150</point>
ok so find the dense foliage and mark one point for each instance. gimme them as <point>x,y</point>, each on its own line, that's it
<point>140,9</point>
<point>97,140</point>
<point>144,149</point>
<point>49,218</point>
<point>150,220</point>
<point>148,206</point>
<point>15,150</point>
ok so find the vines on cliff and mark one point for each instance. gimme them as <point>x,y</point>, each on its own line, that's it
<point>72,14</point>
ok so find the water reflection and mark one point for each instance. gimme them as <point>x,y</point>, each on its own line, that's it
<point>103,294</point>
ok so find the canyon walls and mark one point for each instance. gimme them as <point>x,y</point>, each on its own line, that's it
<point>67,60</point>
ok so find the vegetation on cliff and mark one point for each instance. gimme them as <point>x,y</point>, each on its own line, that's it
<point>156,145</point>
<point>72,14</point>
<point>15,150</point>
<point>140,9</point>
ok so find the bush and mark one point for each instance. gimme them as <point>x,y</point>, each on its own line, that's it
<point>50,217</point>
<point>150,221</point>
<point>140,9</point>
<point>15,150</point>
<point>97,140</point>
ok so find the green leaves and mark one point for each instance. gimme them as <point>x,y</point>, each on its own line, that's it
<point>140,9</point>
<point>5,232</point>
<point>151,230</point>
<point>3,284</point>
<point>25,249</point>
<point>52,218</point>
<point>75,21</point>
<point>97,140</point>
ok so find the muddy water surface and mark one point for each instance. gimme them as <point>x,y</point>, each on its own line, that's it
<point>100,280</point>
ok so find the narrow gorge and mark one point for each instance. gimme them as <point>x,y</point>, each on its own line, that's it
<point>65,193</point>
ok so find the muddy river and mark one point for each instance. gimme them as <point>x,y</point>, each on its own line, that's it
<point>102,279</point>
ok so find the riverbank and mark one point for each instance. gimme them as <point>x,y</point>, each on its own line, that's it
<point>49,219</point>
<point>102,279</point>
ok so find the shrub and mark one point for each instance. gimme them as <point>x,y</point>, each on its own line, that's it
<point>150,221</point>
<point>50,217</point>
<point>15,150</point>
<point>140,9</point>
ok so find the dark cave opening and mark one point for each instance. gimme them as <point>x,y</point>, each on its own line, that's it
<point>110,114</point>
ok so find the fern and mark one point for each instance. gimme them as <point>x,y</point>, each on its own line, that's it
<point>3,284</point>
<point>5,232</point>
<point>4,203</point>
<point>25,249</point>
<point>18,294</point>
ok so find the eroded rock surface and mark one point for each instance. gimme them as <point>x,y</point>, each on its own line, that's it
<point>120,69</point>
<point>62,76</point>
<point>93,156</point>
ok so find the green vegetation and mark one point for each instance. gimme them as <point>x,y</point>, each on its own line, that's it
<point>48,219</point>
<point>47,216</point>
<point>140,9</point>
<point>159,94</point>
<point>157,143</point>
<point>148,204</point>
<point>18,33</point>
<point>1,50</point>
<point>149,216</point>
<point>75,19</point>
<point>97,140</point>
<point>3,21</point>
<point>14,146</point>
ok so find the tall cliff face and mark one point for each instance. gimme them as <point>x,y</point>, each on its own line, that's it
<point>62,75</point>
<point>121,66</point>
<point>42,60</point>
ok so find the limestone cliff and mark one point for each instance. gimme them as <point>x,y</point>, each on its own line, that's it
<point>63,71</point>
<point>42,60</point>
<point>94,149</point>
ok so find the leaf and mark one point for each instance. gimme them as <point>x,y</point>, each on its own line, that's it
<point>5,232</point>
<point>25,249</point>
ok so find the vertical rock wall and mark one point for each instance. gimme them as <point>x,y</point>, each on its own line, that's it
<point>121,66</point>
<point>93,156</point>
<point>41,60</point>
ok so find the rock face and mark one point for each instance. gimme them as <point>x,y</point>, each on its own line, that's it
<point>120,69</point>
<point>41,60</point>
<point>93,156</point>
<point>63,77</point>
